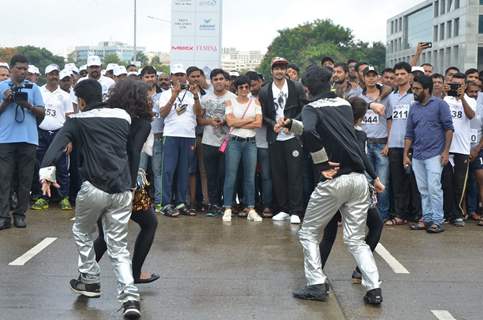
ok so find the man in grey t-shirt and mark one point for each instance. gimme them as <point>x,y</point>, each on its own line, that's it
<point>214,132</point>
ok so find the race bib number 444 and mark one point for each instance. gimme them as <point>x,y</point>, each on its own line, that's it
<point>401,112</point>
<point>370,118</point>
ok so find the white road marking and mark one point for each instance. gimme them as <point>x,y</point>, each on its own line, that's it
<point>442,315</point>
<point>395,265</point>
<point>23,259</point>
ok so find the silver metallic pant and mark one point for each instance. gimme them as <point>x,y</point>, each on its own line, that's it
<point>349,194</point>
<point>115,210</point>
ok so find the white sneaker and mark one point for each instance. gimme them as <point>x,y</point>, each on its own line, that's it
<point>253,216</point>
<point>294,219</point>
<point>281,216</point>
<point>227,215</point>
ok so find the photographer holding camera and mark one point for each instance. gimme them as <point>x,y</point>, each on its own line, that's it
<point>455,172</point>
<point>21,108</point>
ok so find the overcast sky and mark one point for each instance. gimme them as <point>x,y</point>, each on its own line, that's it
<point>60,25</point>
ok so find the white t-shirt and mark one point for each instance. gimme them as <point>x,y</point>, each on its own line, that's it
<point>214,107</point>
<point>179,123</point>
<point>462,125</point>
<point>106,84</point>
<point>57,104</point>
<point>238,109</point>
<point>279,101</point>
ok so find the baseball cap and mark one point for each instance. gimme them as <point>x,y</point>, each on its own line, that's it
<point>72,67</point>
<point>83,67</point>
<point>33,69</point>
<point>279,60</point>
<point>93,61</point>
<point>234,74</point>
<point>111,66</point>
<point>51,67</point>
<point>178,68</point>
<point>368,69</point>
<point>5,65</point>
<point>119,70</point>
<point>64,73</point>
<point>133,73</point>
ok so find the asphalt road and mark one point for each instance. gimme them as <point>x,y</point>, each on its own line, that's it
<point>211,270</point>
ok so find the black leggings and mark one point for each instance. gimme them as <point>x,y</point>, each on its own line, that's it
<point>374,223</point>
<point>148,223</point>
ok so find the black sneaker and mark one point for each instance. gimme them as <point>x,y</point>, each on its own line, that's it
<point>169,211</point>
<point>317,292</point>
<point>91,290</point>
<point>185,211</point>
<point>132,310</point>
<point>373,296</point>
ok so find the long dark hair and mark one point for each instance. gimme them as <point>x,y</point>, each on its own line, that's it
<point>132,96</point>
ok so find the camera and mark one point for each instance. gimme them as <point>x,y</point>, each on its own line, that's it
<point>18,94</point>
<point>427,45</point>
<point>184,86</point>
<point>453,89</point>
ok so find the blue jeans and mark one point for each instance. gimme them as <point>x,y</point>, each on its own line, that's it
<point>245,151</point>
<point>266,175</point>
<point>428,177</point>
<point>380,164</point>
<point>157,167</point>
<point>176,157</point>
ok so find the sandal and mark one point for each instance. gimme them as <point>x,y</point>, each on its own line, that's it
<point>418,226</point>
<point>395,222</point>
<point>435,228</point>
<point>474,216</point>
<point>480,222</point>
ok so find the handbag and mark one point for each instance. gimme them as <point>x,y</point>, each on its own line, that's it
<point>226,139</point>
<point>141,201</point>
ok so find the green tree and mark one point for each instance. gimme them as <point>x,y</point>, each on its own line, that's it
<point>309,42</point>
<point>111,58</point>
<point>156,63</point>
<point>141,57</point>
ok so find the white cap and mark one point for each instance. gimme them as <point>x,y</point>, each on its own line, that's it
<point>111,66</point>
<point>177,68</point>
<point>72,67</point>
<point>64,73</point>
<point>234,74</point>
<point>132,73</point>
<point>119,70</point>
<point>159,73</point>
<point>83,67</point>
<point>51,67</point>
<point>93,61</point>
<point>4,65</point>
<point>103,72</point>
<point>416,68</point>
<point>33,69</point>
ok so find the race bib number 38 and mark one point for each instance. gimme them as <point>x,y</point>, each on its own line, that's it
<point>401,112</point>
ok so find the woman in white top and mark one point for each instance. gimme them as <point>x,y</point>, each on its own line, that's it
<point>243,116</point>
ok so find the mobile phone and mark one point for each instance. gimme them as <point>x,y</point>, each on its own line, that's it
<point>427,44</point>
<point>453,89</point>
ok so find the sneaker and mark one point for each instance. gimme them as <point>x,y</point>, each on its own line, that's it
<point>65,204</point>
<point>356,277</point>
<point>253,216</point>
<point>227,215</point>
<point>267,213</point>
<point>459,222</point>
<point>91,290</point>
<point>40,204</point>
<point>281,216</point>
<point>170,211</point>
<point>294,219</point>
<point>132,310</point>
<point>158,207</point>
<point>373,296</point>
<point>243,213</point>
<point>315,292</point>
<point>213,211</point>
<point>185,211</point>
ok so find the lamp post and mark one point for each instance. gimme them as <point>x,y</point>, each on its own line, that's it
<point>135,49</point>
